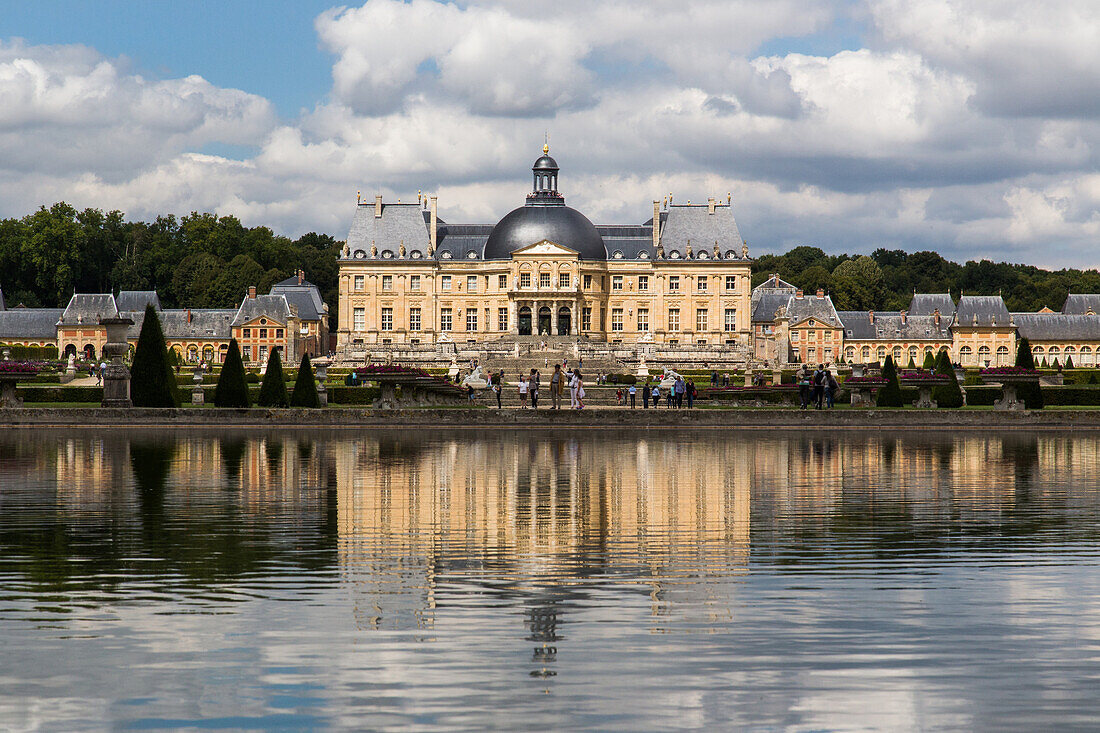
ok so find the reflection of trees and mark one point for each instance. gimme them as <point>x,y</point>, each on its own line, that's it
<point>173,521</point>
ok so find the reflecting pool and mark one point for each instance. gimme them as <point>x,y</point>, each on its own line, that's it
<point>524,580</point>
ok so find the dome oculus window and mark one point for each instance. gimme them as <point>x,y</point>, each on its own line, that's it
<point>415,254</point>
<point>387,254</point>
<point>643,255</point>
<point>445,256</point>
<point>471,255</point>
<point>360,254</point>
<point>618,255</point>
<point>674,255</point>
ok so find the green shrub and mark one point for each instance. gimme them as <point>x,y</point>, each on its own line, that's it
<point>305,387</point>
<point>151,381</point>
<point>1071,395</point>
<point>61,394</point>
<point>950,394</point>
<point>889,395</point>
<point>31,353</point>
<point>1069,362</point>
<point>251,377</point>
<point>930,361</point>
<point>353,395</point>
<point>1031,394</point>
<point>232,390</point>
<point>982,396</point>
<point>273,390</point>
<point>622,379</point>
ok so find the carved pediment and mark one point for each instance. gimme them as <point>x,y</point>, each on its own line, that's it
<point>546,248</point>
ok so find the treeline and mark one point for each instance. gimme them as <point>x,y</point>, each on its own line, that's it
<point>208,261</point>
<point>198,261</point>
<point>886,279</point>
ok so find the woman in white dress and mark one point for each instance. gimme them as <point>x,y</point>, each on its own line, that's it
<point>523,392</point>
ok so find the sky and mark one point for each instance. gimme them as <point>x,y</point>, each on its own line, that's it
<point>969,127</point>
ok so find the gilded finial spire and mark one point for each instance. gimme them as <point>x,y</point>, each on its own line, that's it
<point>546,143</point>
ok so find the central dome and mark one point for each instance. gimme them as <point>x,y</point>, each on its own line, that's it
<point>534,222</point>
<point>545,216</point>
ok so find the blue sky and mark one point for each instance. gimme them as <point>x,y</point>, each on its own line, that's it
<point>967,126</point>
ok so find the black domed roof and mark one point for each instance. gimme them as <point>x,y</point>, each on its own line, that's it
<point>545,163</point>
<point>533,223</point>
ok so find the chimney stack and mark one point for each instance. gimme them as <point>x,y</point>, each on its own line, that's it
<point>433,228</point>
<point>820,293</point>
<point>301,276</point>
<point>378,206</point>
<point>251,291</point>
<point>799,293</point>
<point>656,223</point>
<point>871,315</point>
<point>710,205</point>
<point>188,315</point>
<point>903,317</point>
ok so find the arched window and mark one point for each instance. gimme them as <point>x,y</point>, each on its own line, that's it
<point>881,353</point>
<point>1002,356</point>
<point>983,355</point>
<point>1054,351</point>
<point>897,354</point>
<point>966,356</point>
<point>850,353</point>
<point>913,354</point>
<point>1087,357</point>
<point>866,354</point>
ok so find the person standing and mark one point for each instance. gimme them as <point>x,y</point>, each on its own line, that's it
<point>498,387</point>
<point>646,390</point>
<point>522,392</point>
<point>803,387</point>
<point>633,396</point>
<point>819,387</point>
<point>533,389</point>
<point>690,392</point>
<point>831,386</point>
<point>656,395</point>
<point>557,379</point>
<point>580,388</point>
<point>574,382</point>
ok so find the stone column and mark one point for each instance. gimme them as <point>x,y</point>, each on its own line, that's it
<point>198,397</point>
<point>554,318</point>
<point>116,377</point>
<point>320,374</point>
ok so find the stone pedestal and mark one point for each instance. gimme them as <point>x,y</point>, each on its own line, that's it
<point>116,376</point>
<point>320,374</point>
<point>198,397</point>
<point>777,376</point>
<point>748,377</point>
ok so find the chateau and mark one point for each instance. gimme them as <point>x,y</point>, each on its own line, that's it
<point>408,277</point>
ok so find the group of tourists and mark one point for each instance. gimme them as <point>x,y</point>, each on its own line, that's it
<point>816,387</point>
<point>530,386</point>
<point>681,391</point>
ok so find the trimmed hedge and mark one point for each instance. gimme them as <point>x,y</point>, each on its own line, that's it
<point>352,395</point>
<point>232,390</point>
<point>622,379</point>
<point>31,353</point>
<point>305,386</point>
<point>1072,395</point>
<point>61,394</point>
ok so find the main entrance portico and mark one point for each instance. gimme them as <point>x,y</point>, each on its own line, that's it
<point>544,318</point>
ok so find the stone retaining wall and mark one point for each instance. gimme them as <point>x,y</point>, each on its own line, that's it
<point>589,418</point>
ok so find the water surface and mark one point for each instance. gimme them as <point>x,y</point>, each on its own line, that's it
<point>441,580</point>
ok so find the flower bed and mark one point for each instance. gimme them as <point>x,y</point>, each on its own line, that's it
<point>390,370</point>
<point>1009,372</point>
<point>20,367</point>
<point>871,381</point>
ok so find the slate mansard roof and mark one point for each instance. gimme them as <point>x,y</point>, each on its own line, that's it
<point>1081,304</point>
<point>134,301</point>
<point>274,307</point>
<point>925,304</point>
<point>30,323</point>
<point>1057,326</point>
<point>408,225</point>
<point>304,296</point>
<point>765,306</point>
<point>982,310</point>
<point>812,306</point>
<point>890,325</point>
<point>86,309</point>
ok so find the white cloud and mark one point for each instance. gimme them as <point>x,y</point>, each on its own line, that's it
<point>959,127</point>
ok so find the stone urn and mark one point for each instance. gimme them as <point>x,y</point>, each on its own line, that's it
<point>11,373</point>
<point>116,375</point>
<point>924,383</point>
<point>320,373</point>
<point>1010,379</point>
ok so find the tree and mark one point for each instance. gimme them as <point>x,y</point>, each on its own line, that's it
<point>929,361</point>
<point>1031,394</point>
<point>232,389</point>
<point>857,284</point>
<point>305,387</point>
<point>151,380</point>
<point>950,394</point>
<point>912,364</point>
<point>889,394</point>
<point>273,389</point>
<point>1069,362</point>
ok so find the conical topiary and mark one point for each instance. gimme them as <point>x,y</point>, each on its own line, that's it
<point>232,390</point>
<point>889,394</point>
<point>305,387</point>
<point>1031,394</point>
<point>1069,362</point>
<point>151,379</point>
<point>929,362</point>
<point>273,389</point>
<point>912,364</point>
<point>950,394</point>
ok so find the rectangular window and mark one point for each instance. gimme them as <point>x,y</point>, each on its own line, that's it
<point>643,283</point>
<point>673,283</point>
<point>248,333</point>
<point>248,353</point>
<point>731,283</point>
<point>358,319</point>
<point>616,319</point>
<point>730,320</point>
<point>616,282</point>
<point>359,282</point>
<point>525,279</point>
<point>701,283</point>
<point>673,319</point>
<point>444,282</point>
<point>586,317</point>
<point>278,333</point>
<point>414,282</point>
<point>563,280</point>
<point>587,282</point>
<point>263,353</point>
<point>414,319</point>
<point>502,319</point>
<point>387,319</point>
<point>544,279</point>
<point>471,319</point>
<point>502,282</point>
<point>701,319</point>
<point>263,333</point>
<point>471,283</point>
<point>387,282</point>
<point>643,320</point>
<point>444,319</point>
